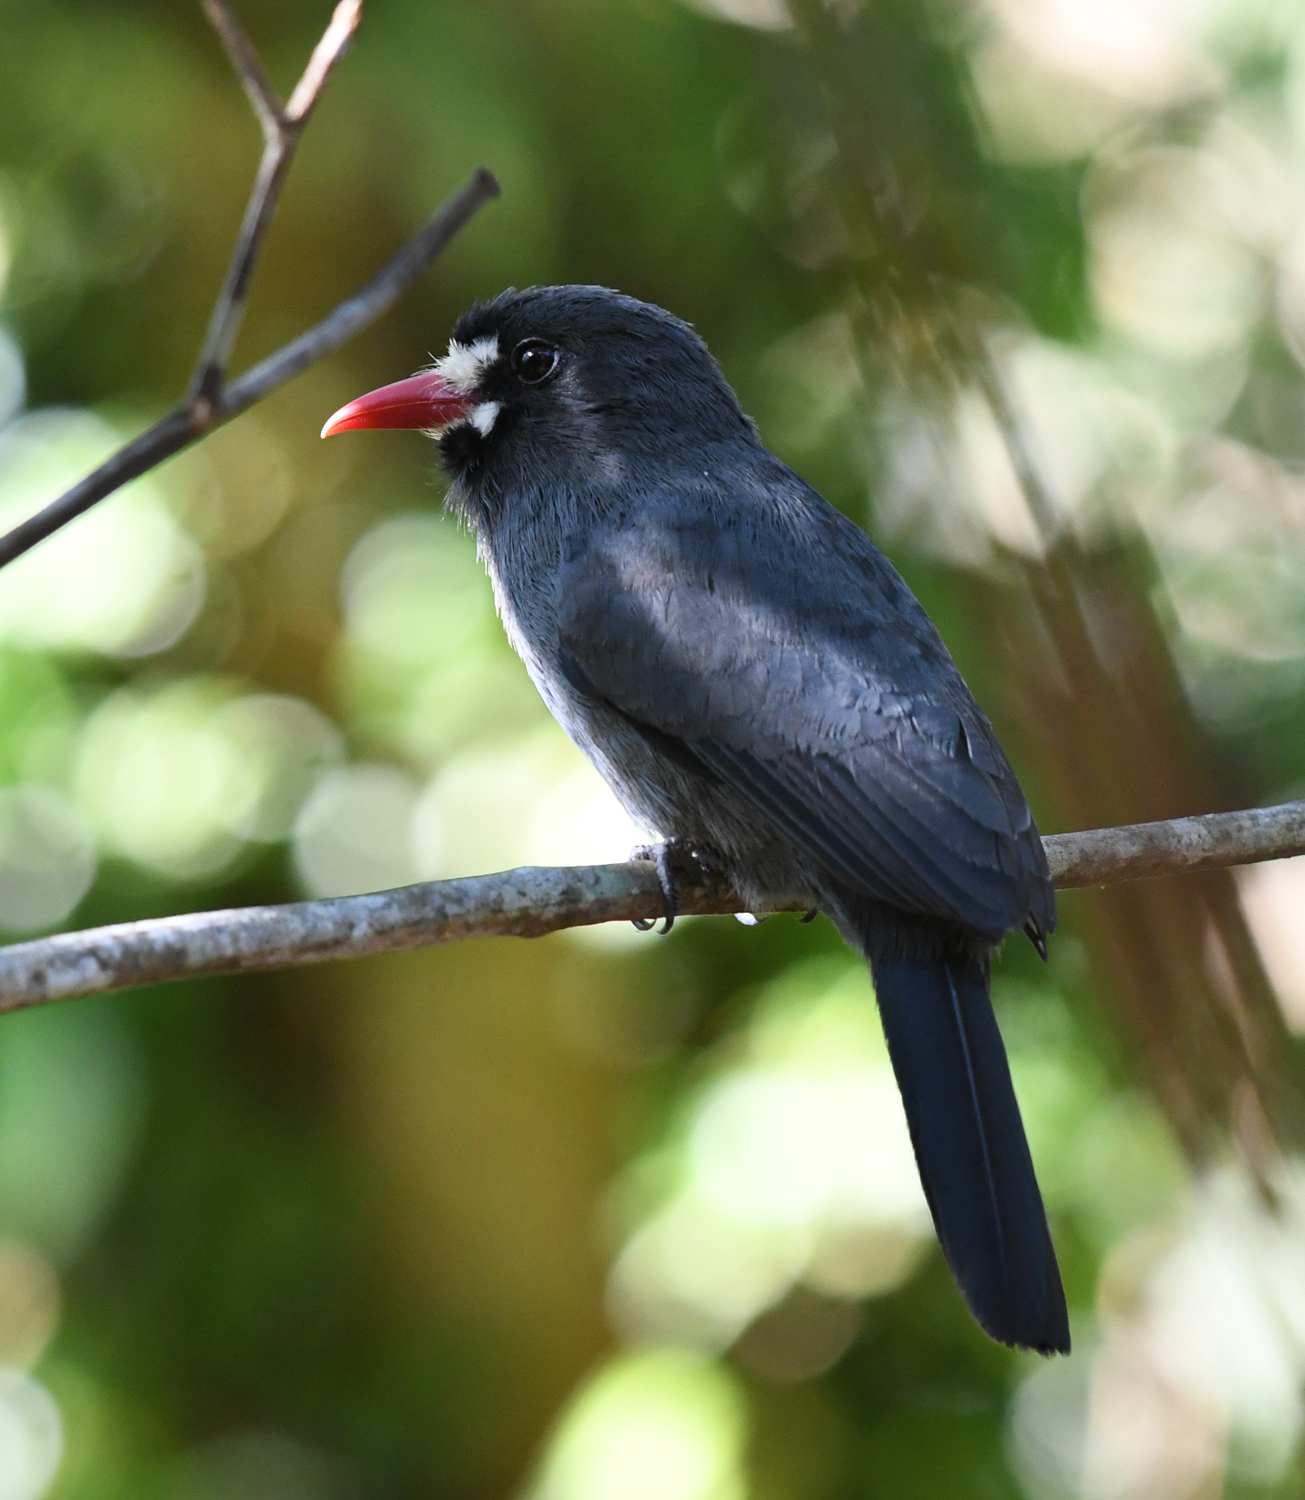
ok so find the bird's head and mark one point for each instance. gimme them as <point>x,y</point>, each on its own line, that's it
<point>564,380</point>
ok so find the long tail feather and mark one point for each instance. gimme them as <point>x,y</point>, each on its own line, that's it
<point>970,1146</point>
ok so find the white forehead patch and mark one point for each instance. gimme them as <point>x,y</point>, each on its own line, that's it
<point>464,364</point>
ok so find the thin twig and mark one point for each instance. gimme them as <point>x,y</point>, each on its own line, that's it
<point>334,44</point>
<point>248,68</point>
<point>192,420</point>
<point>211,400</point>
<point>282,130</point>
<point>531,902</point>
<point>364,307</point>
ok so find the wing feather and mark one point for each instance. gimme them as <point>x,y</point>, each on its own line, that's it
<point>819,690</point>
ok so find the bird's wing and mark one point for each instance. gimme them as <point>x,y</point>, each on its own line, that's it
<point>793,662</point>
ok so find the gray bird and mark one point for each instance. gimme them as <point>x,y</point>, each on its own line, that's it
<point>755,681</point>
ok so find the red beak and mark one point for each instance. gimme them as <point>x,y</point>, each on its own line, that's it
<point>424,401</point>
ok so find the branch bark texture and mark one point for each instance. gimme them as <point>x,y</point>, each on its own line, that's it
<point>531,902</point>
<point>1109,856</point>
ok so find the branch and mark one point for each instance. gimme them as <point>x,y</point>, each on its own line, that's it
<point>211,401</point>
<point>531,902</point>
<point>248,68</point>
<point>282,129</point>
<point>1139,851</point>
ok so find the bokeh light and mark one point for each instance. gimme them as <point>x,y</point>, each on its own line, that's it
<point>31,1436</point>
<point>615,1214</point>
<point>47,858</point>
<point>71,1106</point>
<point>177,777</point>
<point>30,1303</point>
<point>660,1424</point>
<point>1196,1373</point>
<point>792,1165</point>
<point>423,664</point>
<point>13,377</point>
<point>1273,896</point>
<point>353,833</point>
<point>124,580</point>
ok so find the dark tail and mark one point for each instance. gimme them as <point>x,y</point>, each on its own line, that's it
<point>970,1147</point>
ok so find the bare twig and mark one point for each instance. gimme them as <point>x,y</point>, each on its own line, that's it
<point>532,902</point>
<point>248,68</point>
<point>282,129</point>
<point>334,44</point>
<point>364,307</point>
<point>211,400</point>
<point>193,419</point>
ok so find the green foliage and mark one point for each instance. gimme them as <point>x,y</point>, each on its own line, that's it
<point>602,1216</point>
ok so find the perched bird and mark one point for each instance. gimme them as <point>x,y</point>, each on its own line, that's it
<point>755,682</point>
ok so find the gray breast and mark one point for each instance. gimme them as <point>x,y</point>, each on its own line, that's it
<point>658,793</point>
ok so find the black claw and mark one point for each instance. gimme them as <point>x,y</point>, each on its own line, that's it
<point>662,857</point>
<point>810,916</point>
<point>698,863</point>
<point>666,879</point>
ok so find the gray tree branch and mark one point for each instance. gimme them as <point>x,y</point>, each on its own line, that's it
<point>212,400</point>
<point>1140,851</point>
<point>531,902</point>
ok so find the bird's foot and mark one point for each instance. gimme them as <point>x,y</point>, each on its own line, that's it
<point>672,859</point>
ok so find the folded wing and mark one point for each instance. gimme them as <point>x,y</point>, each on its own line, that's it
<point>828,701</point>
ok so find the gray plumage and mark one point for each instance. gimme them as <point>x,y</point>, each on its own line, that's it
<point>751,676</point>
<point>671,574</point>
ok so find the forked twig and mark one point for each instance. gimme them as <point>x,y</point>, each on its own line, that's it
<point>282,129</point>
<point>212,400</point>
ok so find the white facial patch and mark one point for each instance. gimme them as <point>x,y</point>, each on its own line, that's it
<point>483,414</point>
<point>464,364</point>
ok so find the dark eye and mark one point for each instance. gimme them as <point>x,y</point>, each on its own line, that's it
<point>534,360</point>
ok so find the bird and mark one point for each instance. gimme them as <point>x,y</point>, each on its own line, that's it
<point>758,685</point>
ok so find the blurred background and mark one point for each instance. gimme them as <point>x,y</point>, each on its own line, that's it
<point>1020,284</point>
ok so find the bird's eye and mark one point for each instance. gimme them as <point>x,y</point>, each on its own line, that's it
<point>534,360</point>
